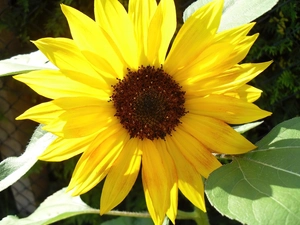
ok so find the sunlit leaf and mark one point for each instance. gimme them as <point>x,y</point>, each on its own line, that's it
<point>62,205</point>
<point>13,168</point>
<point>235,12</point>
<point>56,207</point>
<point>24,63</point>
<point>245,127</point>
<point>263,186</point>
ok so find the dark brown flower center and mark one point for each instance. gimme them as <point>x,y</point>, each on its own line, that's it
<point>149,103</point>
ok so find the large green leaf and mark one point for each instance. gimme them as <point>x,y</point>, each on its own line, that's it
<point>62,205</point>
<point>235,12</point>
<point>24,63</point>
<point>262,186</point>
<point>56,207</point>
<point>13,168</point>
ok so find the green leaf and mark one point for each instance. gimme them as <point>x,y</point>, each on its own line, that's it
<point>262,186</point>
<point>245,127</point>
<point>235,12</point>
<point>13,168</point>
<point>56,207</point>
<point>24,63</point>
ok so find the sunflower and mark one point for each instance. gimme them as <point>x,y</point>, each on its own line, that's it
<point>126,101</point>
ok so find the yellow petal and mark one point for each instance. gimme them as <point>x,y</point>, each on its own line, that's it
<point>95,44</point>
<point>61,149</point>
<point>121,176</point>
<point>194,151</point>
<point>95,163</point>
<point>156,181</point>
<point>194,36</point>
<point>113,18</point>
<point>228,109</point>
<point>91,116</point>
<point>216,135</point>
<point>235,33</point>
<point>104,85</point>
<point>245,93</point>
<point>70,103</point>
<point>207,64</point>
<point>173,179</point>
<point>231,49</point>
<point>101,137</point>
<point>241,50</point>
<point>42,113</point>
<point>65,55</point>
<point>54,84</point>
<point>237,37</point>
<point>141,13</point>
<point>189,180</point>
<point>161,31</point>
<point>228,80</point>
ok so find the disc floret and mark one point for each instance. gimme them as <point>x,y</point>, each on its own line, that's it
<point>149,103</point>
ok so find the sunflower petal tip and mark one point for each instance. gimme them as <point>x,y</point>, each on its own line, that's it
<point>64,7</point>
<point>44,157</point>
<point>16,77</point>
<point>172,218</point>
<point>73,191</point>
<point>103,210</point>
<point>68,189</point>
<point>269,113</point>
<point>19,118</point>
<point>104,206</point>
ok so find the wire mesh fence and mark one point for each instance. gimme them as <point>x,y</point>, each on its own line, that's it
<point>21,198</point>
<point>14,135</point>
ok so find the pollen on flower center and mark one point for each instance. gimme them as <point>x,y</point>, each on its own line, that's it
<point>148,102</point>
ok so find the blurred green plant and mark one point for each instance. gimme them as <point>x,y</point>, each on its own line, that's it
<point>279,41</point>
<point>33,19</point>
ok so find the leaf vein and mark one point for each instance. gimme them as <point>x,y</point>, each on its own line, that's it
<point>275,148</point>
<point>274,199</point>
<point>273,167</point>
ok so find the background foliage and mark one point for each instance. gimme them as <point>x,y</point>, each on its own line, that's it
<point>279,41</point>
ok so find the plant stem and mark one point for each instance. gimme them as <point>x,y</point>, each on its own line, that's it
<point>202,218</point>
<point>197,215</point>
<point>128,214</point>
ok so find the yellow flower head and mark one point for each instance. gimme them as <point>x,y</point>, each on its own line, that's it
<point>125,102</point>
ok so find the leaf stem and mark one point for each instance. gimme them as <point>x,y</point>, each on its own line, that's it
<point>202,218</point>
<point>128,214</point>
<point>197,215</point>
